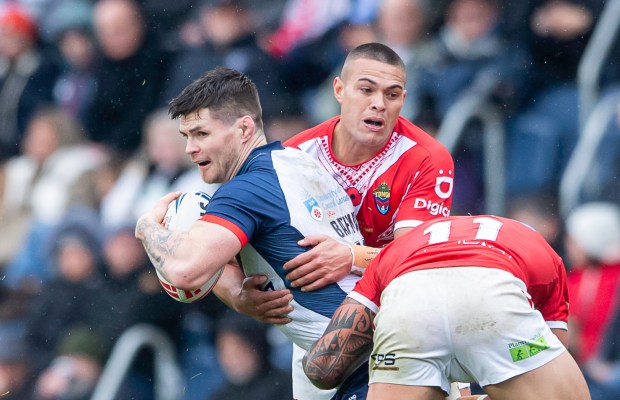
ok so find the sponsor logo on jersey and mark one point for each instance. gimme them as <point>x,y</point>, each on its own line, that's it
<point>313,208</point>
<point>433,208</point>
<point>384,362</point>
<point>443,185</point>
<point>382,198</point>
<point>527,348</point>
<point>346,225</point>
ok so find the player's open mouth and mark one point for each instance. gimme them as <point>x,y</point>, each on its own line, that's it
<point>374,123</point>
<point>203,163</point>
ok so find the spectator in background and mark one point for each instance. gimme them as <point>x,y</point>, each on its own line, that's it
<point>603,371</point>
<point>543,134</point>
<point>593,254</point>
<point>164,18</point>
<point>129,79</point>
<point>36,189</point>
<point>131,294</point>
<point>70,30</point>
<point>27,76</point>
<point>244,353</point>
<point>230,34</point>
<point>74,254</point>
<point>75,369</point>
<point>593,250</point>
<point>306,21</point>
<point>472,59</point>
<point>158,167</point>
<point>15,369</point>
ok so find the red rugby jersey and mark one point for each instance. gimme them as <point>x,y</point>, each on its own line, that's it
<point>409,181</point>
<point>484,241</point>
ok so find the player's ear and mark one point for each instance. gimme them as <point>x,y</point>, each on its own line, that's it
<point>247,127</point>
<point>338,89</point>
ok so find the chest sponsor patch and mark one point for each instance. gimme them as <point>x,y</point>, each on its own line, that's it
<point>313,208</point>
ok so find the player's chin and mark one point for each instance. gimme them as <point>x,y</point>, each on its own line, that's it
<point>209,177</point>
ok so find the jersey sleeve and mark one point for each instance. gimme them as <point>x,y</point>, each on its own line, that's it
<point>555,309</point>
<point>430,191</point>
<point>242,207</point>
<point>367,290</point>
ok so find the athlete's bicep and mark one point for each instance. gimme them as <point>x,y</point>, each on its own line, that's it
<point>206,249</point>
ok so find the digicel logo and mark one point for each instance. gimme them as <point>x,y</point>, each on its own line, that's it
<point>433,208</point>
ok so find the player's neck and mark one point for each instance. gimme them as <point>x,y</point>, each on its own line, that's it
<point>257,140</point>
<point>348,151</point>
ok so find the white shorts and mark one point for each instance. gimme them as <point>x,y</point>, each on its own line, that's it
<point>464,324</point>
<point>303,389</point>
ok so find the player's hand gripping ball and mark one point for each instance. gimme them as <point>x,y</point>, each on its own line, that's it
<point>181,214</point>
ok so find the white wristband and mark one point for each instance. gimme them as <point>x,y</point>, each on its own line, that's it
<point>484,396</point>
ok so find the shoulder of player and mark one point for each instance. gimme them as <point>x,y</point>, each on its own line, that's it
<point>432,147</point>
<point>411,130</point>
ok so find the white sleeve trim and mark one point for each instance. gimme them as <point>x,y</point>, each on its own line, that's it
<point>557,325</point>
<point>364,300</point>
<point>408,223</point>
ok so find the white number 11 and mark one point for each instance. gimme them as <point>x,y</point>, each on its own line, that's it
<point>488,229</point>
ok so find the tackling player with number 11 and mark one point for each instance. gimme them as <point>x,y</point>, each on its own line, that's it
<point>469,299</point>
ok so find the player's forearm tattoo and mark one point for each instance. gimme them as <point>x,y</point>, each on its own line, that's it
<point>363,255</point>
<point>159,242</point>
<point>345,345</point>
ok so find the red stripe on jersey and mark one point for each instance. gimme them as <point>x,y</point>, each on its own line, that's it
<point>214,219</point>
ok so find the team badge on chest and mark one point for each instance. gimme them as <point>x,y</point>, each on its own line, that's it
<point>382,198</point>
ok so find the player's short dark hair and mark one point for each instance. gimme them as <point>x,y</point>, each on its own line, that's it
<point>378,52</point>
<point>227,93</point>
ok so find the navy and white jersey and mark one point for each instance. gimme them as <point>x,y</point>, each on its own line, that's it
<point>279,196</point>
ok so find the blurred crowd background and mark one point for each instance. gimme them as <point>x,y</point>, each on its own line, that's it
<point>86,146</point>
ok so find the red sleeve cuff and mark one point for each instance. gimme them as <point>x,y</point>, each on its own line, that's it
<point>214,219</point>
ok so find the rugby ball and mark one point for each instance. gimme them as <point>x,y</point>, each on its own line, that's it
<point>180,216</point>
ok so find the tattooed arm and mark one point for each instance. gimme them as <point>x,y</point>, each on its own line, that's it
<point>186,259</point>
<point>345,345</point>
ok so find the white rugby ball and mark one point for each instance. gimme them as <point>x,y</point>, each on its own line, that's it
<point>181,214</point>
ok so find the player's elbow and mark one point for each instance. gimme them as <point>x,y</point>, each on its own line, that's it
<point>184,276</point>
<point>323,382</point>
<point>319,378</point>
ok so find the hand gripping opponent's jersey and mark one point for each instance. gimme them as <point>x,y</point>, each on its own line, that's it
<point>481,241</point>
<point>279,196</point>
<point>409,181</point>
